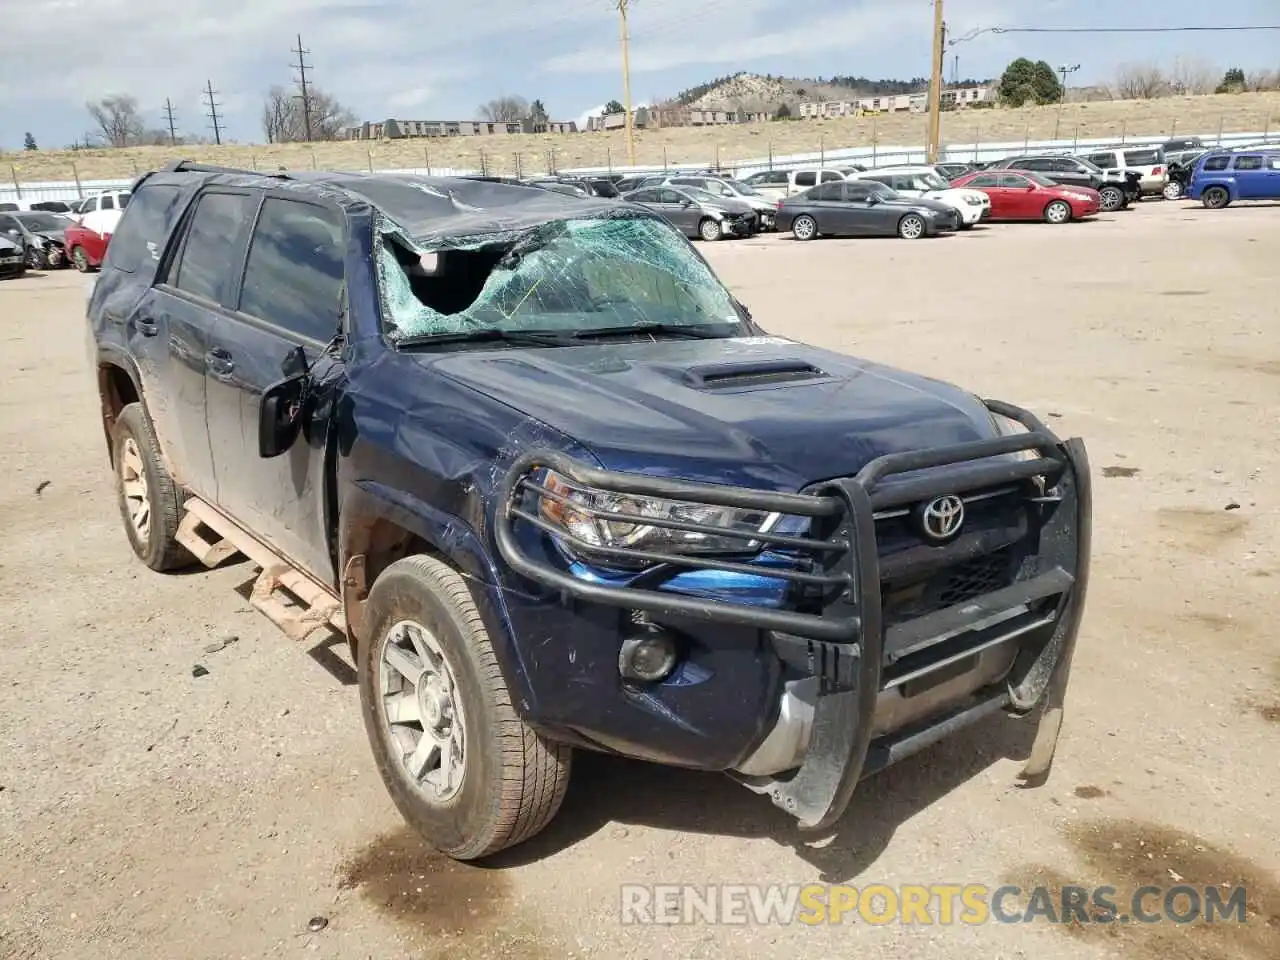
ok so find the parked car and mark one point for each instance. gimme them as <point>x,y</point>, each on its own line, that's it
<point>697,213</point>
<point>924,181</point>
<point>778,184</point>
<point>951,169</point>
<point>1180,166</point>
<point>13,263</point>
<point>9,207</point>
<point>591,186</point>
<point>1222,178</point>
<point>1118,188</point>
<point>627,184</point>
<point>1178,144</point>
<point>556,186</point>
<point>101,211</point>
<point>85,248</point>
<point>1027,195</point>
<point>732,190</point>
<point>863,208</point>
<point>587,501</point>
<point>1149,163</point>
<point>40,235</point>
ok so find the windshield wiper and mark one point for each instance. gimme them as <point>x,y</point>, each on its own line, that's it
<point>692,332</point>
<point>526,338</point>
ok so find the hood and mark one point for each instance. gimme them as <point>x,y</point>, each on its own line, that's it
<point>8,247</point>
<point>760,412</point>
<point>954,195</point>
<point>727,205</point>
<point>57,236</point>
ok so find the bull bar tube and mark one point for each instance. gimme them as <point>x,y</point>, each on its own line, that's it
<point>846,645</point>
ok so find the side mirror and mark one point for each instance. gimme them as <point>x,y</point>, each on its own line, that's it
<point>872,200</point>
<point>686,203</point>
<point>280,415</point>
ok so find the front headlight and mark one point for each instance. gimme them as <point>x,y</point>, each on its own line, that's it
<point>1007,427</point>
<point>975,201</point>
<point>576,510</point>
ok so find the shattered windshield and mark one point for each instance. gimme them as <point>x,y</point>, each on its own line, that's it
<point>560,277</point>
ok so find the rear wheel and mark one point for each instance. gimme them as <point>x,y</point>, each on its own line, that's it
<point>709,229</point>
<point>911,227</point>
<point>1172,190</point>
<point>150,502</point>
<point>1112,198</point>
<point>804,227</point>
<point>1059,211</point>
<point>463,768</point>
<point>1215,198</point>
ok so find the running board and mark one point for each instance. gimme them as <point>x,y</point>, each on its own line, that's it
<point>286,596</point>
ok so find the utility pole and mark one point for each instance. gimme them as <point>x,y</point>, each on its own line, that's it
<point>935,84</point>
<point>302,67</point>
<point>168,115</point>
<point>1064,70</point>
<point>213,106</point>
<point>626,80</point>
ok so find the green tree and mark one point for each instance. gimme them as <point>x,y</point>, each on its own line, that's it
<point>538,112</point>
<point>29,142</point>
<point>613,106</point>
<point>1232,81</point>
<point>1025,81</point>
<point>782,113</point>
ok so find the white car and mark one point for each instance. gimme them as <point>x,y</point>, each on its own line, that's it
<point>928,184</point>
<point>780,184</point>
<point>101,212</point>
<point>1149,162</point>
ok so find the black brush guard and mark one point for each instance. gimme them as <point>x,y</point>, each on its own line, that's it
<point>846,645</point>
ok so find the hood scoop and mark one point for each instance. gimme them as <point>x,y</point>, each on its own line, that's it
<point>754,373</point>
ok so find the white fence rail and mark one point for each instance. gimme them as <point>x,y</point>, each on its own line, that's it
<point>26,193</point>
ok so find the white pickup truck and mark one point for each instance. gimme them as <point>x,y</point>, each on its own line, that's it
<point>926,182</point>
<point>780,184</point>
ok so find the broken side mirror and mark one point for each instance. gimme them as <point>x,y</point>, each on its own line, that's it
<point>281,411</point>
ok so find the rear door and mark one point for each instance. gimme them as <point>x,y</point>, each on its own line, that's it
<point>1272,164</point>
<point>169,329</point>
<point>291,296</point>
<point>1251,177</point>
<point>802,180</point>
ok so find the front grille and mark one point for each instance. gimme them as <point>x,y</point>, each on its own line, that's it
<point>908,598</point>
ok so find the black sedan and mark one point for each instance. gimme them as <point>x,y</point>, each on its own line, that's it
<point>40,235</point>
<point>863,208</point>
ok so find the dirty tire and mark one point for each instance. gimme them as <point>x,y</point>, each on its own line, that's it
<point>1059,211</point>
<point>80,259</point>
<point>804,227</point>
<point>911,227</point>
<point>513,780</point>
<point>1215,198</point>
<point>158,549</point>
<point>709,229</point>
<point>36,259</point>
<point>1112,199</point>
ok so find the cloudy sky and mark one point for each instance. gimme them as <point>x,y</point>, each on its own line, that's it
<point>427,59</point>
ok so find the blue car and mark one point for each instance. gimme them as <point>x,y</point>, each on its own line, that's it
<point>558,490</point>
<point>1222,177</point>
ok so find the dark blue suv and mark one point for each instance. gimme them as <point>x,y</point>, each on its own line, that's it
<point>558,489</point>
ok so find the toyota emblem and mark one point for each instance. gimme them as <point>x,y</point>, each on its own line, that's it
<point>941,519</point>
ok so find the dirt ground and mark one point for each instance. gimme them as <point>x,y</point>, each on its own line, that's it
<point>146,813</point>
<point>527,155</point>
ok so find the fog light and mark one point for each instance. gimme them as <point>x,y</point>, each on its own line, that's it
<point>648,656</point>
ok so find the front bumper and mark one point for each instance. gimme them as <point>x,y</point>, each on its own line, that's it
<point>834,634</point>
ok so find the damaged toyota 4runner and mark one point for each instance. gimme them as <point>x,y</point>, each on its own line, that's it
<point>558,490</point>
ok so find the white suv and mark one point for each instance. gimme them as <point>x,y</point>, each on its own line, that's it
<point>929,184</point>
<point>780,184</point>
<point>1147,161</point>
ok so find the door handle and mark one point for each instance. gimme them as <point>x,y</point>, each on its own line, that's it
<point>219,362</point>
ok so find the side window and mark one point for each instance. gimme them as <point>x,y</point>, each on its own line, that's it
<point>90,205</point>
<point>210,251</point>
<point>806,179</point>
<point>669,196</point>
<point>294,274</point>
<point>985,180</point>
<point>1216,163</point>
<point>1247,163</point>
<point>826,191</point>
<point>644,196</point>
<point>108,202</point>
<point>1273,163</point>
<point>856,191</point>
<point>1107,161</point>
<point>143,230</point>
<point>1012,181</point>
<point>831,176</point>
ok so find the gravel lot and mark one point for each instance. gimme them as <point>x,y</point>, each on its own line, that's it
<point>145,813</point>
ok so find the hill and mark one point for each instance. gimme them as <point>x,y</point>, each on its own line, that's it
<point>757,94</point>
<point>1247,112</point>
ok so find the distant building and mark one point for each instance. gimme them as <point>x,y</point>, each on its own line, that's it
<point>401,129</point>
<point>640,119</point>
<point>894,103</point>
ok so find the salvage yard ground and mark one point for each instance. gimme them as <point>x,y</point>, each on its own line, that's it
<point>146,813</point>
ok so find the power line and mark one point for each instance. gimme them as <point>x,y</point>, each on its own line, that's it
<point>302,67</point>
<point>973,34</point>
<point>213,106</point>
<point>168,114</point>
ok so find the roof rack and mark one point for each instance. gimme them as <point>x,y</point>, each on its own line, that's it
<point>191,166</point>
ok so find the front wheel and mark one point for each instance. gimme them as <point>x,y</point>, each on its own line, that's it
<point>463,768</point>
<point>36,259</point>
<point>1215,198</point>
<point>804,227</point>
<point>150,502</point>
<point>80,259</point>
<point>1112,199</point>
<point>709,230</point>
<point>1172,190</point>
<point>1057,212</point>
<point>911,227</point>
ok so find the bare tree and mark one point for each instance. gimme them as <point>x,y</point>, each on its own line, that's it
<point>1262,80</point>
<point>1140,81</point>
<point>119,122</point>
<point>284,122</point>
<point>1193,76</point>
<point>505,109</point>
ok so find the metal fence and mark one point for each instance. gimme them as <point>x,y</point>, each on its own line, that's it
<point>488,163</point>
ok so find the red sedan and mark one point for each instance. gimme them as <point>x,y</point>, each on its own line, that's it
<point>84,247</point>
<point>1025,195</point>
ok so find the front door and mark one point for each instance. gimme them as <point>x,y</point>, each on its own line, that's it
<point>291,297</point>
<point>1019,197</point>
<point>679,209</point>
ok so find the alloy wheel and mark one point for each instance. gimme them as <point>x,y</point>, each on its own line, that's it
<point>133,484</point>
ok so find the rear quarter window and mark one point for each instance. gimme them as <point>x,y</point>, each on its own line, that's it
<point>1248,163</point>
<point>806,179</point>
<point>141,234</point>
<point>1141,158</point>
